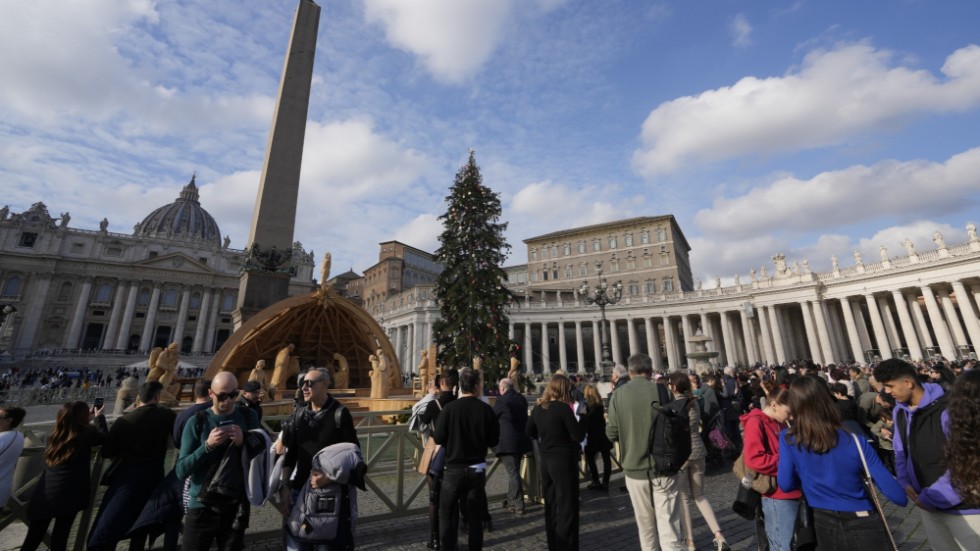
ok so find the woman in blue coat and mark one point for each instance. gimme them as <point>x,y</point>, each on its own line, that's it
<point>815,453</point>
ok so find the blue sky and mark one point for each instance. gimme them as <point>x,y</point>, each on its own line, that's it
<point>805,128</point>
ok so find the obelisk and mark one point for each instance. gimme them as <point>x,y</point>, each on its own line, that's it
<point>267,266</point>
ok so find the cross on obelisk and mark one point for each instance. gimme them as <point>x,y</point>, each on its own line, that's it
<point>267,266</point>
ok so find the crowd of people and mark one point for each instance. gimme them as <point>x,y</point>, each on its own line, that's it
<point>815,441</point>
<point>83,377</point>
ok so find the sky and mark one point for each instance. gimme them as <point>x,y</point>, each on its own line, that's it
<point>807,128</point>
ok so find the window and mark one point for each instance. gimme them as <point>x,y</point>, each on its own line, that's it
<point>545,272</point>
<point>153,254</point>
<point>612,242</point>
<point>78,248</point>
<point>534,276</point>
<point>195,301</point>
<point>596,246</point>
<point>634,289</point>
<point>144,297</point>
<point>534,254</point>
<point>170,297</point>
<point>614,265</point>
<point>64,293</point>
<point>651,287</point>
<point>581,247</point>
<point>27,239</point>
<point>583,269</point>
<point>664,259</point>
<point>661,234</point>
<point>554,251</point>
<point>12,287</point>
<point>628,239</point>
<point>645,237</point>
<point>227,303</point>
<point>103,293</point>
<point>566,249</point>
<point>203,260</point>
<point>630,263</point>
<point>668,285</point>
<point>568,270</point>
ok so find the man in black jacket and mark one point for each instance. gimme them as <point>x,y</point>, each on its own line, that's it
<point>323,421</point>
<point>466,428</point>
<point>511,410</point>
<point>137,445</point>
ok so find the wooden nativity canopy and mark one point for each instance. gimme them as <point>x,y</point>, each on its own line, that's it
<point>319,324</point>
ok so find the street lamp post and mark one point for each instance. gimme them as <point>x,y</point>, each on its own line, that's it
<point>603,295</point>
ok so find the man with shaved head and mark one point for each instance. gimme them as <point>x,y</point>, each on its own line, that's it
<point>205,440</point>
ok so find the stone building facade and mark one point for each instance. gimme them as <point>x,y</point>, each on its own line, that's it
<point>400,267</point>
<point>915,306</point>
<point>173,279</point>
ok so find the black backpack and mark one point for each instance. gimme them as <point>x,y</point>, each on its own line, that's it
<point>670,434</point>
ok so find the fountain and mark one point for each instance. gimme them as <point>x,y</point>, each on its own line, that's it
<point>701,354</point>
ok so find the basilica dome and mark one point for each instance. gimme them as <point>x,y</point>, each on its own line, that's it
<point>183,220</point>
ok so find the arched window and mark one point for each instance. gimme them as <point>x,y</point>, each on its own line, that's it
<point>12,287</point>
<point>195,301</point>
<point>64,293</point>
<point>103,293</point>
<point>143,298</point>
<point>170,297</point>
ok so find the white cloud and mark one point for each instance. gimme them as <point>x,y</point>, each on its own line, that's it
<point>741,31</point>
<point>834,95</point>
<point>422,232</point>
<point>848,197</point>
<point>453,38</point>
<point>535,206</point>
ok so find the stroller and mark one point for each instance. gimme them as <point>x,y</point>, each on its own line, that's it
<point>721,450</point>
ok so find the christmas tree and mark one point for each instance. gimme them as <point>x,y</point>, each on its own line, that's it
<point>472,297</point>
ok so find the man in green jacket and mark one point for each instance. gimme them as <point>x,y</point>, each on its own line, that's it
<point>203,444</point>
<point>655,500</point>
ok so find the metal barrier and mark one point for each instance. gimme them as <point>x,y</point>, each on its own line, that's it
<point>390,450</point>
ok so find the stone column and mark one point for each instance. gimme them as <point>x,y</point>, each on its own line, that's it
<point>823,331</point>
<point>653,343</point>
<point>726,335</point>
<point>838,339</point>
<point>579,347</point>
<point>920,321</point>
<point>766,334</point>
<point>617,353</point>
<point>528,349</point>
<point>40,283</point>
<point>185,299</point>
<point>545,352</point>
<point>596,344</point>
<point>202,321</point>
<point>911,341</point>
<point>151,319</point>
<point>118,298</point>
<point>969,314</point>
<point>634,341</point>
<point>884,347</point>
<point>952,319</point>
<point>686,333</point>
<point>938,324</point>
<point>889,320</point>
<point>852,333</point>
<point>402,366</point>
<point>672,361</point>
<point>811,336</point>
<point>122,340</point>
<point>862,326</point>
<point>562,353</point>
<point>75,329</point>
<point>748,333</point>
<point>777,334</point>
<point>211,331</point>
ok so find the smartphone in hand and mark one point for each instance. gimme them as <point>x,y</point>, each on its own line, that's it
<point>99,402</point>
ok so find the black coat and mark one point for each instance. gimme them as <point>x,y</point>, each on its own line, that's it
<point>595,421</point>
<point>557,429</point>
<point>511,410</point>
<point>65,489</point>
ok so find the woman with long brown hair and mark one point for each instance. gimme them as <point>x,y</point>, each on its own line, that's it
<point>65,484</point>
<point>553,422</point>
<point>819,456</point>
<point>597,442</point>
<point>963,456</point>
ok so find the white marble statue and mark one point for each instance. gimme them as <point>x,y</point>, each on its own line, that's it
<point>909,247</point>
<point>937,238</point>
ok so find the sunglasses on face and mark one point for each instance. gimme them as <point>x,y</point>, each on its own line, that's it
<point>222,396</point>
<point>308,383</point>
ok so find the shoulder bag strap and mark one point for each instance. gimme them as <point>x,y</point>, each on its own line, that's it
<point>870,489</point>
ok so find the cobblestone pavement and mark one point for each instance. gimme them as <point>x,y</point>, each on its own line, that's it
<point>606,523</point>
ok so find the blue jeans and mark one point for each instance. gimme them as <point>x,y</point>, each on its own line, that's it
<point>780,521</point>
